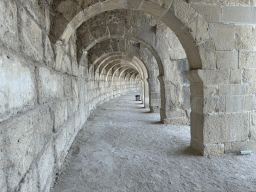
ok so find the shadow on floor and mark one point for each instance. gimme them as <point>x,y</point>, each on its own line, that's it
<point>190,151</point>
<point>156,122</point>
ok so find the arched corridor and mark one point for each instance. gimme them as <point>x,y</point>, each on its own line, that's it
<point>123,147</point>
<point>193,62</point>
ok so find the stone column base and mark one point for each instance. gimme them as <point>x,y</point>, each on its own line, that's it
<point>154,109</point>
<point>209,149</point>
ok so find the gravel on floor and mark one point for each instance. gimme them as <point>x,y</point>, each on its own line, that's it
<point>124,148</point>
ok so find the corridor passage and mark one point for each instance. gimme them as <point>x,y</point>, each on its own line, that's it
<point>124,148</point>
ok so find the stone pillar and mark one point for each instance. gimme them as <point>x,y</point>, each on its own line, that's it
<point>154,96</point>
<point>220,112</point>
<point>146,94</point>
<point>173,109</point>
<point>142,91</point>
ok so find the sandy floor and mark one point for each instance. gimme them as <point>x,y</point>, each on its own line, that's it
<point>124,148</point>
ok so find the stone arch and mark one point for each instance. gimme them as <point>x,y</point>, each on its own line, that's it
<point>177,15</point>
<point>142,69</point>
<point>194,35</point>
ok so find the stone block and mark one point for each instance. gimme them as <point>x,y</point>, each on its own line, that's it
<point>253,126</point>
<point>69,9</point>
<point>21,147</point>
<point>109,5</point>
<point>210,90</point>
<point>183,11</point>
<point>31,36</point>
<point>235,76</point>
<point>60,144</point>
<point>50,85</point>
<point>208,55</point>
<point>214,104</point>
<point>199,29</point>
<point>237,147</point>
<point>46,167</point>
<point>214,77</point>
<point>246,37</point>
<point>220,128</point>
<point>134,4</point>
<point>36,9</point>
<point>66,65</point>
<point>60,110</point>
<point>249,76</point>
<point>43,127</point>
<point>3,184</point>
<point>67,83</point>
<point>162,3</point>
<point>152,9</point>
<point>233,89</point>
<point>8,27</point>
<point>75,68</point>
<point>240,103</point>
<point>17,85</point>
<point>223,35</point>
<point>70,130</point>
<point>227,59</point>
<point>238,14</point>
<point>30,181</point>
<point>211,13</point>
<point>197,121</point>
<point>213,149</point>
<point>247,59</point>
<point>49,54</point>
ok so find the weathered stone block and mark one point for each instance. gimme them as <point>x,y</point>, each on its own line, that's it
<point>66,65</point>
<point>30,181</point>
<point>227,59</point>
<point>8,27</point>
<point>197,121</point>
<point>43,127</point>
<point>238,14</point>
<point>45,167</point>
<point>152,9</point>
<point>60,147</point>
<point>237,147</point>
<point>213,149</point>
<point>17,85</point>
<point>220,128</point>
<point>50,84</point>
<point>162,3</point>
<point>214,77</point>
<point>249,76</point>
<point>31,37</point>
<point>236,76</point>
<point>36,9</point>
<point>211,13</point>
<point>210,90</point>
<point>49,54</point>
<point>70,130</point>
<point>208,55</point>
<point>183,11</point>
<point>3,184</point>
<point>199,29</point>
<point>60,110</point>
<point>223,35</point>
<point>247,59</point>
<point>240,103</point>
<point>233,89</point>
<point>214,104</point>
<point>246,37</point>
<point>20,144</point>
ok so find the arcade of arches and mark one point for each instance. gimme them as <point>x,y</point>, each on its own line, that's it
<point>193,61</point>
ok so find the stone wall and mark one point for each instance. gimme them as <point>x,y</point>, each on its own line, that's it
<point>43,102</point>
